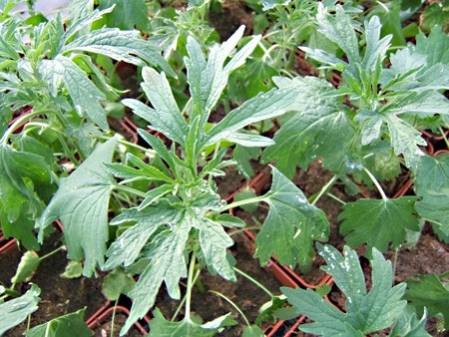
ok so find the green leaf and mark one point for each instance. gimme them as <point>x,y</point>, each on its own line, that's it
<point>207,79</point>
<point>27,266</point>
<point>62,326</point>
<point>253,331</point>
<point>429,291</point>
<point>268,105</point>
<point>406,141</point>
<point>319,127</point>
<point>434,46</point>
<point>73,269</point>
<point>378,222</point>
<point>160,327</point>
<point>432,189</point>
<point>167,264</point>
<point>435,15</point>
<point>366,311</point>
<point>85,95</point>
<point>116,283</point>
<point>291,226</point>
<point>339,29</point>
<point>22,175</point>
<point>15,311</point>
<point>166,116</point>
<point>82,203</point>
<point>127,247</point>
<point>409,325</point>
<point>126,14</point>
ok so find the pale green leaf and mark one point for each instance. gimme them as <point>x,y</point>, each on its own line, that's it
<point>82,204</point>
<point>27,267</point>
<point>15,311</point>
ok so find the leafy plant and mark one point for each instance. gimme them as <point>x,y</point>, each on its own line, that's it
<point>62,325</point>
<point>373,104</point>
<point>180,213</point>
<point>366,311</point>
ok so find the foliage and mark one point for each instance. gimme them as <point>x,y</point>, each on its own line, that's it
<point>366,311</point>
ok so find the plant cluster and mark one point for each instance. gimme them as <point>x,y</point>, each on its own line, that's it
<point>149,218</point>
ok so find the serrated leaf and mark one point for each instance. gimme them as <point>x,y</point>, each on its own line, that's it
<point>85,95</point>
<point>435,46</point>
<point>126,248</point>
<point>268,105</point>
<point>428,291</point>
<point>82,203</point>
<point>15,311</point>
<point>160,327</point>
<point>366,312</point>
<point>405,141</point>
<point>432,188</point>
<point>167,264</point>
<point>319,127</point>
<point>291,226</point>
<point>208,78</point>
<point>378,223</point>
<point>61,326</point>
<point>409,325</point>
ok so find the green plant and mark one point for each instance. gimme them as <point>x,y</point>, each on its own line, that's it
<point>366,312</point>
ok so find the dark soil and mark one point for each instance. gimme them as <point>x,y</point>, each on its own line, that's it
<point>231,15</point>
<point>104,330</point>
<point>58,296</point>
<point>245,294</point>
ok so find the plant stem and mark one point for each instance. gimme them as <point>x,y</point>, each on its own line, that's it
<point>324,189</point>
<point>181,304</point>
<point>238,231</point>
<point>337,199</point>
<point>114,311</point>
<point>190,286</point>
<point>233,305</point>
<point>242,203</point>
<point>395,260</point>
<point>253,280</point>
<point>57,250</point>
<point>131,190</point>
<point>443,134</point>
<point>376,183</point>
<point>125,142</point>
<point>17,124</point>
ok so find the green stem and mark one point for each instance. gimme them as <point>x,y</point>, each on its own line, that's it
<point>395,260</point>
<point>376,183</point>
<point>443,134</point>
<point>181,304</point>
<point>127,143</point>
<point>131,190</point>
<point>324,189</point>
<point>17,124</point>
<point>238,231</point>
<point>337,199</point>
<point>190,286</point>
<point>253,280</point>
<point>242,203</point>
<point>114,311</point>
<point>233,305</point>
<point>57,250</point>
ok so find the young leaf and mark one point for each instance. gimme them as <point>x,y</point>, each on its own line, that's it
<point>291,226</point>
<point>429,291</point>
<point>82,203</point>
<point>378,222</point>
<point>160,327</point>
<point>61,326</point>
<point>207,79</point>
<point>366,311</point>
<point>15,311</point>
<point>126,15</point>
<point>27,266</point>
